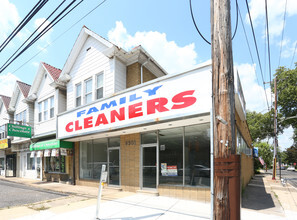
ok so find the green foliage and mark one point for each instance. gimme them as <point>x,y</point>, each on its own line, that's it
<point>265,151</point>
<point>261,125</point>
<point>290,155</point>
<point>287,96</point>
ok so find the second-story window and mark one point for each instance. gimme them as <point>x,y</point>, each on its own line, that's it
<point>78,95</point>
<point>45,109</point>
<point>99,86</point>
<point>21,117</point>
<point>52,107</point>
<point>88,91</point>
<point>39,111</point>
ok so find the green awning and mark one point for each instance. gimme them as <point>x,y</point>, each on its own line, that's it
<point>43,145</point>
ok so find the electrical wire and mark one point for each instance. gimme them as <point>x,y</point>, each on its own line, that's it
<point>280,52</point>
<point>23,23</point>
<point>247,41</point>
<point>193,19</point>
<point>293,55</point>
<point>251,23</point>
<point>201,35</point>
<point>34,32</point>
<point>45,30</point>
<point>268,45</point>
<point>49,44</point>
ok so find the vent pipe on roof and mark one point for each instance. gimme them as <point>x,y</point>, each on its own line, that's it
<point>141,71</point>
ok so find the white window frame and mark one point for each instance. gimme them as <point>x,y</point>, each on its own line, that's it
<point>45,110</point>
<point>86,94</point>
<point>78,96</point>
<point>51,107</point>
<point>99,86</point>
<point>39,111</point>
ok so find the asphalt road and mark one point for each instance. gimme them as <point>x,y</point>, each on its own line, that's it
<point>290,176</point>
<point>15,194</point>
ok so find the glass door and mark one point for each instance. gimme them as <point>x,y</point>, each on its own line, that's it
<point>114,166</point>
<point>149,166</point>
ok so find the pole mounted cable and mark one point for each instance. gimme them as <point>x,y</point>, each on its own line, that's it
<point>201,35</point>
<point>267,32</point>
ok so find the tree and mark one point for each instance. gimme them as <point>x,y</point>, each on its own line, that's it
<point>287,96</point>
<point>261,125</point>
<point>265,151</point>
<point>291,155</point>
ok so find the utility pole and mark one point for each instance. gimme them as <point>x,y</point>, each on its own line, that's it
<point>275,131</point>
<point>226,202</point>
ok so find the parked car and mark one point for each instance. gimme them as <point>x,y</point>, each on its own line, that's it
<point>291,168</point>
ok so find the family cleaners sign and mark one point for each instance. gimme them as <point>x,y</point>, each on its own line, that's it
<point>173,97</point>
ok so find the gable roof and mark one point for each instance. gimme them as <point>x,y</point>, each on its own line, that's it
<point>43,68</point>
<point>20,87</point>
<point>81,39</point>
<point>24,87</point>
<point>53,71</point>
<point>5,100</point>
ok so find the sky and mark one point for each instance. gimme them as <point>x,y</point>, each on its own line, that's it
<point>166,30</point>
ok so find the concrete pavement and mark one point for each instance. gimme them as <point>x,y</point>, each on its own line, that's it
<point>262,199</point>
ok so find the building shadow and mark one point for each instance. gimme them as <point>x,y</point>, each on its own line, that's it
<point>255,195</point>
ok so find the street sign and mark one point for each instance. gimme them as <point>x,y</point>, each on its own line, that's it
<point>104,177</point>
<point>18,130</point>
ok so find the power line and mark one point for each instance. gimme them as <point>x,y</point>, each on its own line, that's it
<point>34,32</point>
<point>266,11</point>
<point>251,23</point>
<point>201,35</point>
<point>45,30</point>
<point>293,55</point>
<point>23,23</point>
<point>280,53</point>
<point>59,36</point>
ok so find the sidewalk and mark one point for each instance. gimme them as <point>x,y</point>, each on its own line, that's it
<point>262,199</point>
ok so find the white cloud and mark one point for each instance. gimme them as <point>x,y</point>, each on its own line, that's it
<point>46,37</point>
<point>285,140</point>
<point>9,18</point>
<point>275,10</point>
<point>7,83</point>
<point>172,57</point>
<point>253,93</point>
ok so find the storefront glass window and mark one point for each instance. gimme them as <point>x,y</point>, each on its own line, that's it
<point>171,156</point>
<point>242,147</point>
<point>30,162</point>
<point>149,138</point>
<point>197,155</point>
<point>93,154</point>
<point>1,163</point>
<point>55,164</point>
<point>114,142</point>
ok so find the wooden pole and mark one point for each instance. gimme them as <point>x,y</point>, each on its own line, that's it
<point>226,202</point>
<point>275,130</point>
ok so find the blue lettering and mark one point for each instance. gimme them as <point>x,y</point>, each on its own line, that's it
<point>133,97</point>
<point>153,91</point>
<point>93,109</point>
<point>107,106</point>
<point>122,100</point>
<point>80,113</point>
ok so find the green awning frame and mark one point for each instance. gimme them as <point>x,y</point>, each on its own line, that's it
<point>51,144</point>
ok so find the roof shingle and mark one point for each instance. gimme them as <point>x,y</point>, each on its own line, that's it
<point>24,87</point>
<point>55,72</point>
<point>6,100</point>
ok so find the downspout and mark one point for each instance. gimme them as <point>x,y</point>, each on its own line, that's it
<point>141,71</point>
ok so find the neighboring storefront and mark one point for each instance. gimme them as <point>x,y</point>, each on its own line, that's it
<point>54,159</point>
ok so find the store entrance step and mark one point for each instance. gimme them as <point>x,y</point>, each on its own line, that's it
<point>113,188</point>
<point>148,192</point>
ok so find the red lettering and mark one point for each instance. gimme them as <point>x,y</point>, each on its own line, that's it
<point>135,110</point>
<point>182,100</point>
<point>101,119</point>
<point>68,128</point>
<point>77,127</point>
<point>88,122</point>
<point>156,104</point>
<point>120,116</point>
